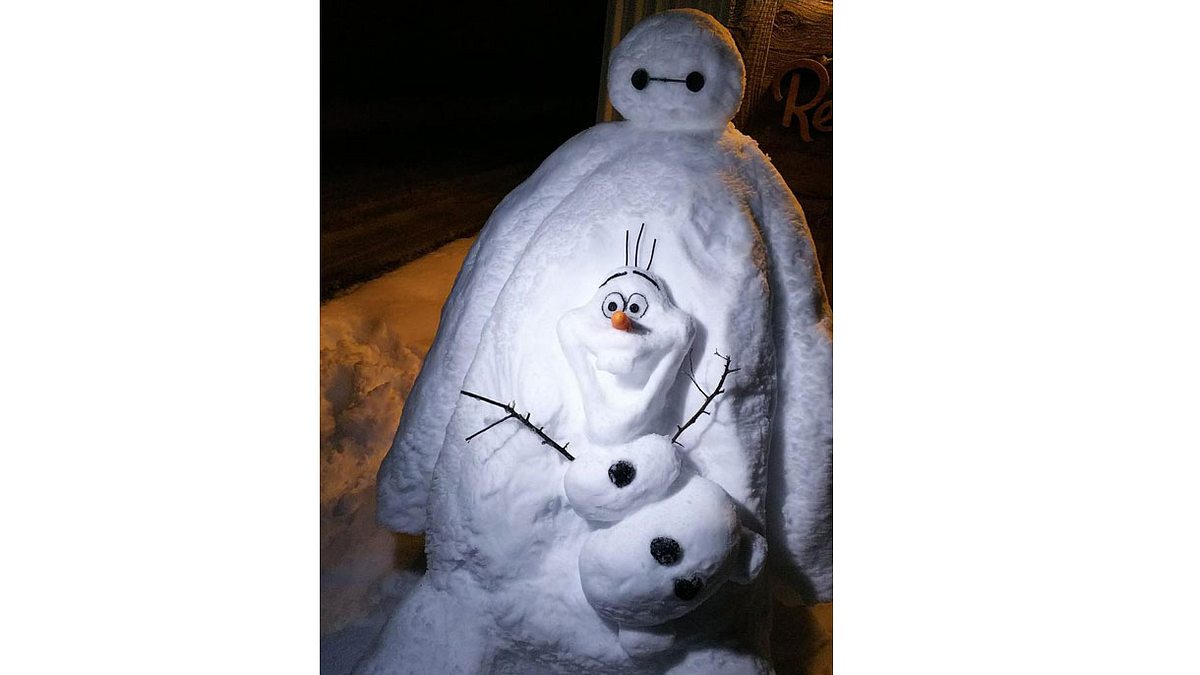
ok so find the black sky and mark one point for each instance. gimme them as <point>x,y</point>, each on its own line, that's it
<point>404,81</point>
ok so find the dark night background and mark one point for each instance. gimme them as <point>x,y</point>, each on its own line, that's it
<point>432,112</point>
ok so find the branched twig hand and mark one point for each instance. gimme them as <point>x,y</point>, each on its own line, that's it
<point>510,408</point>
<point>708,398</point>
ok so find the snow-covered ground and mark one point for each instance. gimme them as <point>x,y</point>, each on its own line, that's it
<point>373,340</point>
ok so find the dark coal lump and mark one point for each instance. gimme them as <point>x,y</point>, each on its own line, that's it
<point>686,589</point>
<point>666,551</point>
<point>621,473</point>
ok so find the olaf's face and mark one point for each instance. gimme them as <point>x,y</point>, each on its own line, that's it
<point>625,346</point>
<point>677,70</point>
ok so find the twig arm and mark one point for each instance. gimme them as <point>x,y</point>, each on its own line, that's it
<point>707,399</point>
<point>510,408</point>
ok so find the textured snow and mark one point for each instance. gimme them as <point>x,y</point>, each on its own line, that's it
<point>360,586</point>
<point>595,497</point>
<point>372,343</point>
<point>519,580</point>
<point>630,588</point>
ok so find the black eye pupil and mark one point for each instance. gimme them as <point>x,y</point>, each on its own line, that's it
<point>612,306</point>
<point>634,308</point>
<point>695,82</point>
<point>640,79</point>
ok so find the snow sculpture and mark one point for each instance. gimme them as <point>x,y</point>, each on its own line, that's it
<point>526,568</point>
<point>677,535</point>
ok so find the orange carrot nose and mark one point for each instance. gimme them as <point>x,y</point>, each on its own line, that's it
<point>621,320</point>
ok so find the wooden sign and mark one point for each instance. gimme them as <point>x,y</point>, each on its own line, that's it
<point>808,107</point>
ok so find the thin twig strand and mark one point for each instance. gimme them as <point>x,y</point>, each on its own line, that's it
<point>510,408</point>
<point>707,400</point>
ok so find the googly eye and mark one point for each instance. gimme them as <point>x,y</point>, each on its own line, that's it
<point>694,81</point>
<point>640,79</point>
<point>612,302</point>
<point>637,306</point>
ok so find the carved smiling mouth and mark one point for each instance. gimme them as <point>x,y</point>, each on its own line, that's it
<point>621,370</point>
<point>627,375</point>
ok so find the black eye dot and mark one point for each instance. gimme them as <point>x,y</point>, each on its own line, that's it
<point>612,306</point>
<point>666,551</point>
<point>686,589</point>
<point>621,473</point>
<point>695,81</point>
<point>634,308</point>
<point>641,78</point>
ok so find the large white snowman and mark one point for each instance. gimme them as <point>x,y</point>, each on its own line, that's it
<point>524,575</point>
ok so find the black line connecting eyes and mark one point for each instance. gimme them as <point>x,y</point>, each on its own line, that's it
<point>641,79</point>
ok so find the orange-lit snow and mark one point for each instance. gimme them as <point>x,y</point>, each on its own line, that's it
<point>373,340</point>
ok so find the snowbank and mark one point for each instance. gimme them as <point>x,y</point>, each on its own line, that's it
<point>373,341</point>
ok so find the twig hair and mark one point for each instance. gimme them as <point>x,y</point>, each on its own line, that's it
<point>637,248</point>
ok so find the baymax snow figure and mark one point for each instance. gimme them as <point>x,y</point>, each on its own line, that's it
<point>503,541</point>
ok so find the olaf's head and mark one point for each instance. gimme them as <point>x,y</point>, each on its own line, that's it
<point>625,346</point>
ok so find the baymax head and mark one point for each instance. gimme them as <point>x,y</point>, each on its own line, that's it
<point>625,346</point>
<point>677,70</point>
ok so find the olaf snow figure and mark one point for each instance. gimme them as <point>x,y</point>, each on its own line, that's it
<point>516,553</point>
<point>668,538</point>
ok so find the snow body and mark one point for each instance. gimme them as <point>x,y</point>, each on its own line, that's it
<point>666,558</point>
<point>503,543</point>
<point>664,539</point>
